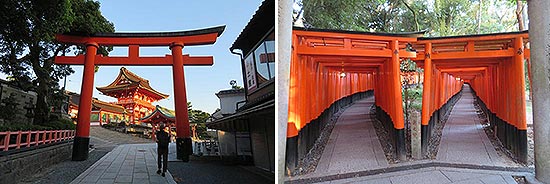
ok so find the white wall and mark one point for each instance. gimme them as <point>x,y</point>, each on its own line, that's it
<point>227,143</point>
<point>228,102</point>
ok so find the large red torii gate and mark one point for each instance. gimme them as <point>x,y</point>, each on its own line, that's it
<point>175,40</point>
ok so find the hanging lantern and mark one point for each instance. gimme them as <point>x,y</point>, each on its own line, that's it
<point>342,73</point>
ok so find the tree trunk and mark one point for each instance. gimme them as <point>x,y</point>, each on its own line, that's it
<point>519,14</point>
<point>417,26</point>
<point>479,17</point>
<point>42,110</point>
<point>284,39</point>
<point>539,29</point>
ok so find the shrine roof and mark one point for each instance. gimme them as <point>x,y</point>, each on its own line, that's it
<point>74,97</point>
<point>162,111</point>
<point>127,79</point>
<point>108,106</point>
<point>261,23</point>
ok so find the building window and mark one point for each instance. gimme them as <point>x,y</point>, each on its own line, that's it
<point>264,57</point>
<point>260,64</point>
<point>269,56</point>
<point>250,72</point>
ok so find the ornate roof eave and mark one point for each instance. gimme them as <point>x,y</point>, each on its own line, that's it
<point>108,106</point>
<point>159,111</point>
<point>141,82</point>
<point>106,90</point>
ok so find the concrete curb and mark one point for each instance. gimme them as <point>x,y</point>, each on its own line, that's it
<point>403,168</point>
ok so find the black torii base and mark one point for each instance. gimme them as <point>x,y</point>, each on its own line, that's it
<point>183,148</point>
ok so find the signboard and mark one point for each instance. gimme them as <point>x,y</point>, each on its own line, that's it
<point>250,72</point>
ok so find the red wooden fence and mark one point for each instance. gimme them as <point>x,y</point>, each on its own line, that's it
<point>33,138</point>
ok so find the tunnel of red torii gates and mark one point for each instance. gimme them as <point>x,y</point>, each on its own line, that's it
<point>175,41</point>
<point>331,69</point>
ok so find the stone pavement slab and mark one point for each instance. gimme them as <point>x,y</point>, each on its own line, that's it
<point>436,175</point>
<point>353,144</point>
<point>463,139</point>
<point>172,153</point>
<point>128,163</point>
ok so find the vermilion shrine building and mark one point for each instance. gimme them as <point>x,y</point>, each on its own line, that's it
<point>102,112</point>
<point>134,101</point>
<point>160,114</point>
<point>134,93</point>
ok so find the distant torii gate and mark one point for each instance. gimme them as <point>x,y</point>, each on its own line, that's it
<point>175,40</point>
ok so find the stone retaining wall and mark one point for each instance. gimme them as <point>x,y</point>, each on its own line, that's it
<point>17,166</point>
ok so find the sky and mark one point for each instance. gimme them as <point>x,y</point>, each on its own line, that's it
<point>202,82</point>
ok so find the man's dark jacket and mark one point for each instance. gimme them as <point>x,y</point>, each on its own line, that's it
<point>163,139</point>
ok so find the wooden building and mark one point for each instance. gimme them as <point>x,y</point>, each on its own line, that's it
<point>135,96</point>
<point>251,130</point>
<point>102,112</point>
<point>161,115</point>
<point>134,93</point>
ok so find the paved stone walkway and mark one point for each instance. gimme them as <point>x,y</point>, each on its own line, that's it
<point>129,163</point>
<point>353,144</point>
<point>104,138</point>
<point>463,139</point>
<point>436,175</point>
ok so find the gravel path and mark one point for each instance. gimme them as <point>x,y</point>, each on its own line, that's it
<point>384,137</point>
<point>102,139</point>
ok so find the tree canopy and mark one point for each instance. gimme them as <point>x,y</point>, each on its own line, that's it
<point>198,119</point>
<point>437,17</point>
<point>28,46</point>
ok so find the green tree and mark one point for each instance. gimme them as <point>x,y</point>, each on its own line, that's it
<point>28,46</point>
<point>437,17</point>
<point>8,108</point>
<point>198,118</point>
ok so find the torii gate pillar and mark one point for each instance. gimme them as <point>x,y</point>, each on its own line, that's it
<point>82,138</point>
<point>183,141</point>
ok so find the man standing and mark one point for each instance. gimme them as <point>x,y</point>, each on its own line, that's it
<point>163,139</point>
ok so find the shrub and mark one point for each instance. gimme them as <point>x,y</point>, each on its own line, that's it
<point>61,124</point>
<point>55,123</point>
<point>22,127</point>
